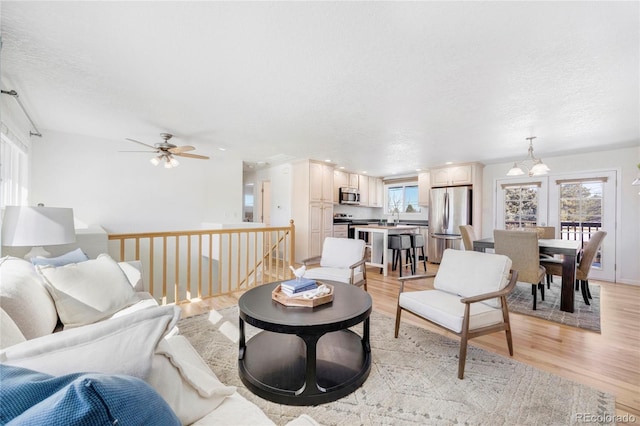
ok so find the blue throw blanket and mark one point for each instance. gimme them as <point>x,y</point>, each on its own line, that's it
<point>83,399</point>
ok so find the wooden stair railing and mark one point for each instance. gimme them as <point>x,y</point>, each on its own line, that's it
<point>179,266</point>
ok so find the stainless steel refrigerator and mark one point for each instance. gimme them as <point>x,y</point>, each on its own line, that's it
<point>449,208</point>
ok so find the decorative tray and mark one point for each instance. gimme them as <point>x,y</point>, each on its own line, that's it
<point>282,298</point>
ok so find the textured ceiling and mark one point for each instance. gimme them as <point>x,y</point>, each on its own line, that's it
<point>386,87</point>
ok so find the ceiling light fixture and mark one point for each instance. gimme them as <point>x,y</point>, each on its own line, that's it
<point>169,160</point>
<point>537,168</point>
<point>156,160</point>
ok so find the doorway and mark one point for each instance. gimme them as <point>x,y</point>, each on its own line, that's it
<point>265,202</point>
<point>581,204</point>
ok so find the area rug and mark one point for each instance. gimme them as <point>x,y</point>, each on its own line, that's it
<point>413,381</point>
<point>584,316</point>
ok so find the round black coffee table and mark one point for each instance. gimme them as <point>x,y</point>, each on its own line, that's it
<point>304,355</point>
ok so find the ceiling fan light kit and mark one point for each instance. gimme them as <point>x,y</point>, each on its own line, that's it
<point>166,151</point>
<point>538,168</point>
<point>170,162</point>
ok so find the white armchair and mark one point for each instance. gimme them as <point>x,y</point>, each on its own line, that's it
<point>342,260</point>
<point>469,297</point>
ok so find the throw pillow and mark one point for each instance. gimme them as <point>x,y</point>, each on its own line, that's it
<point>25,299</point>
<point>133,270</point>
<point>123,345</point>
<point>9,332</point>
<point>89,291</point>
<point>185,381</point>
<point>75,256</point>
<point>29,397</point>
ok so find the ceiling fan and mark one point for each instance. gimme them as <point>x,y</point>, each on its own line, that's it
<point>166,151</point>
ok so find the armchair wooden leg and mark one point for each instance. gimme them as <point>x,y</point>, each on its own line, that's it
<point>398,312</point>
<point>463,355</point>
<point>535,297</point>
<point>464,336</point>
<point>507,324</point>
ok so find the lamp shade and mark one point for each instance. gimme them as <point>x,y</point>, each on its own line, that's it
<point>37,226</point>
<point>515,171</point>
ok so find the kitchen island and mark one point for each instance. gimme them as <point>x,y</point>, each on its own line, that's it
<point>379,241</point>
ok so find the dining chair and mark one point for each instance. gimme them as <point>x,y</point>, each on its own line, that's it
<point>587,256</point>
<point>522,248</point>
<point>468,236</point>
<point>469,297</point>
<point>342,259</point>
<point>546,233</point>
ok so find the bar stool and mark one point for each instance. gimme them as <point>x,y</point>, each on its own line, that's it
<point>398,243</point>
<point>417,242</point>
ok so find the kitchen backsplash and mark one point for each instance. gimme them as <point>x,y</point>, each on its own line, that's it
<point>358,212</point>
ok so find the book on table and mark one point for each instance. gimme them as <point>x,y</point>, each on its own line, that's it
<point>298,285</point>
<point>311,292</point>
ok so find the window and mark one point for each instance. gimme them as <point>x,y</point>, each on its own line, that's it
<point>581,211</point>
<point>404,198</point>
<point>13,169</point>
<point>520,205</point>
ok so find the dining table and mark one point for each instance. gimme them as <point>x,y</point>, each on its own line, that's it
<point>379,241</point>
<point>569,250</point>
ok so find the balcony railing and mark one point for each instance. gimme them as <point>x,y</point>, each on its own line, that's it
<point>576,231</point>
<point>182,266</point>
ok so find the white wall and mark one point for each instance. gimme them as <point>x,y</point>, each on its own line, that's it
<point>628,227</point>
<point>123,192</point>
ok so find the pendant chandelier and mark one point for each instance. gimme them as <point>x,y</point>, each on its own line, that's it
<point>536,168</point>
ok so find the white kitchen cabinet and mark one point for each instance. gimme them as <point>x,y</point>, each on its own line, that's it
<point>363,181</point>
<point>321,226</point>
<point>353,180</point>
<point>424,184</point>
<point>321,182</point>
<point>340,180</point>
<point>454,175</point>
<point>341,230</point>
<point>375,192</point>
<point>371,188</point>
<point>312,206</point>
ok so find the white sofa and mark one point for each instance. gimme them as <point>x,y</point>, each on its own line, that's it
<point>95,316</point>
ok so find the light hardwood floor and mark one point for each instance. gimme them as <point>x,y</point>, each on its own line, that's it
<point>609,361</point>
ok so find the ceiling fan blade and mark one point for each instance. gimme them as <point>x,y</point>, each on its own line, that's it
<point>202,157</point>
<point>179,149</point>
<point>141,143</point>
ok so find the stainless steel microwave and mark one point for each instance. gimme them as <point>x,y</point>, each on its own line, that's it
<point>349,196</point>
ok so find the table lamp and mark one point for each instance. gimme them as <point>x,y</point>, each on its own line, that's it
<point>26,226</point>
